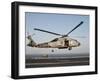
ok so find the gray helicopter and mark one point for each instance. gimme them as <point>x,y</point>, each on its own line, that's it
<point>62,42</point>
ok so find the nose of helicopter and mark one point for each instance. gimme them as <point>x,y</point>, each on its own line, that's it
<point>78,44</point>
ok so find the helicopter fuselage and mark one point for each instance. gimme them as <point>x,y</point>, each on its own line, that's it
<point>61,43</point>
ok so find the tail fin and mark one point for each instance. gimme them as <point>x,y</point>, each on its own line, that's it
<point>31,43</point>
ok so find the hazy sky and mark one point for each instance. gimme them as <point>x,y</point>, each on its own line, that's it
<point>58,23</point>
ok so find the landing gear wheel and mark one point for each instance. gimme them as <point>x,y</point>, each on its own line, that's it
<point>52,50</point>
<point>70,48</point>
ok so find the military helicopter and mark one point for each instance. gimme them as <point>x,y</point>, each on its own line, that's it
<point>62,42</point>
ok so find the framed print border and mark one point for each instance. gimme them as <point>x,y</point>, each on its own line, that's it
<point>15,37</point>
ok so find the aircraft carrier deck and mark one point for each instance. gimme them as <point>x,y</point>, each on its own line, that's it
<point>53,62</point>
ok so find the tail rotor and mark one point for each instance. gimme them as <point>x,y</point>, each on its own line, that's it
<point>31,41</point>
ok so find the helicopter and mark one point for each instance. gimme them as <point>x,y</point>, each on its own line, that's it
<point>62,42</point>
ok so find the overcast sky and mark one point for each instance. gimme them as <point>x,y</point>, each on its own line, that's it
<point>58,23</point>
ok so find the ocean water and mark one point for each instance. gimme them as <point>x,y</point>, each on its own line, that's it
<point>55,56</point>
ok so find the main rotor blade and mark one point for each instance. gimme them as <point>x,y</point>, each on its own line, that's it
<point>73,29</point>
<point>47,31</point>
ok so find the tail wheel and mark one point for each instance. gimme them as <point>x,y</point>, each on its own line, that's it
<point>52,50</point>
<point>70,48</point>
